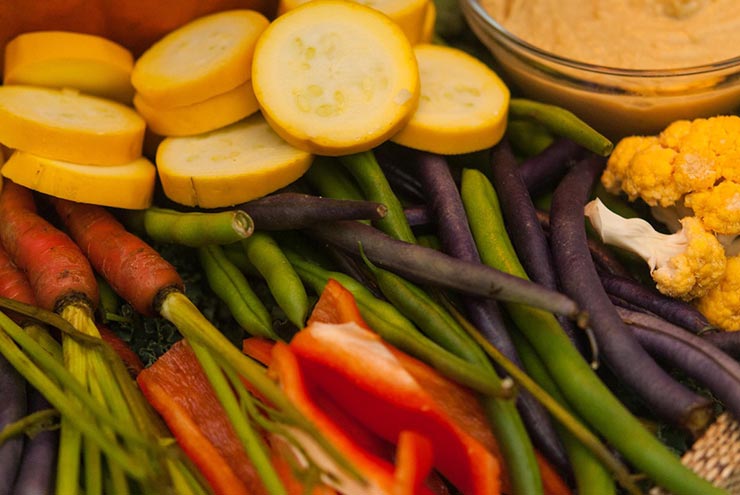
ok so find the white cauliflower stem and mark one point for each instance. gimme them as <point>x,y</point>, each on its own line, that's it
<point>685,264</point>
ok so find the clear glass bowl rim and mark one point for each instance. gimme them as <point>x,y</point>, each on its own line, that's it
<point>499,30</point>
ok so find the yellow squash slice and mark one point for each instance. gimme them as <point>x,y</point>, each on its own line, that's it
<point>231,165</point>
<point>335,77</point>
<point>204,58</point>
<point>410,15</point>
<point>128,186</point>
<point>66,125</point>
<point>63,59</point>
<point>206,116</point>
<point>463,105</point>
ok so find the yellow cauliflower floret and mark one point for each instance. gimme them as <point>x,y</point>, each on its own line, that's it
<point>685,264</point>
<point>718,208</point>
<point>695,270</point>
<point>688,156</point>
<point>721,305</point>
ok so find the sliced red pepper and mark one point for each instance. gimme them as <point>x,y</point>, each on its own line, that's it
<point>366,451</point>
<point>133,363</point>
<point>366,377</point>
<point>456,402</point>
<point>259,349</point>
<point>336,305</point>
<point>177,388</point>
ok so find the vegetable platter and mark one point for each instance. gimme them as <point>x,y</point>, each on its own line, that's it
<point>319,247</point>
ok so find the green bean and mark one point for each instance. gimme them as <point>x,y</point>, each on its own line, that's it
<point>193,229</point>
<point>527,137</point>
<point>331,180</point>
<point>230,284</point>
<point>285,286</point>
<point>561,122</point>
<point>368,174</point>
<point>396,329</point>
<point>591,476</point>
<point>583,389</point>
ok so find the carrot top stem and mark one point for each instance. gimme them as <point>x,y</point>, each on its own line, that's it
<point>196,328</point>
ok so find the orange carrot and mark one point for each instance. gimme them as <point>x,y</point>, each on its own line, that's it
<point>13,282</point>
<point>56,268</point>
<point>133,363</point>
<point>133,268</point>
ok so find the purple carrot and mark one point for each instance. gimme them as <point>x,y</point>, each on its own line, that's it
<point>618,347</point>
<point>682,350</point>
<point>679,312</point>
<point>288,210</point>
<point>38,467</point>
<point>13,407</point>
<point>443,198</point>
<point>541,171</point>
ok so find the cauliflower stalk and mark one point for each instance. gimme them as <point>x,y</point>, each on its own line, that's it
<point>689,175</point>
<point>685,264</point>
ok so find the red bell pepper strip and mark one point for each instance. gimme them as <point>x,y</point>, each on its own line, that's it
<point>366,451</point>
<point>128,356</point>
<point>337,305</point>
<point>176,386</point>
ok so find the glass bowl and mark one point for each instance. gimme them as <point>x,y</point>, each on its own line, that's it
<point>616,102</point>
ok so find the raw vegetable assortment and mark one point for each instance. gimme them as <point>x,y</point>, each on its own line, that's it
<point>392,303</point>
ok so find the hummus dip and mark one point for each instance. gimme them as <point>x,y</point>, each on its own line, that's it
<point>627,34</point>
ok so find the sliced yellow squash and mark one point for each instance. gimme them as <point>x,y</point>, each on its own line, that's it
<point>430,22</point>
<point>463,105</point>
<point>204,58</point>
<point>128,186</point>
<point>63,59</point>
<point>228,166</point>
<point>335,77</point>
<point>66,125</point>
<point>410,15</point>
<point>205,116</point>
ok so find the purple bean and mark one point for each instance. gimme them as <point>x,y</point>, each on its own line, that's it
<point>729,342</point>
<point>13,407</point>
<point>604,258</point>
<point>679,312</point>
<point>444,201</point>
<point>520,215</point>
<point>619,349</point>
<point>428,266</point>
<point>541,171</point>
<point>38,466</point>
<point>396,163</point>
<point>696,357</point>
<point>523,224</point>
<point>286,211</point>
<point>418,215</point>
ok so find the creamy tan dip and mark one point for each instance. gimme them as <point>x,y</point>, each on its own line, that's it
<point>634,34</point>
